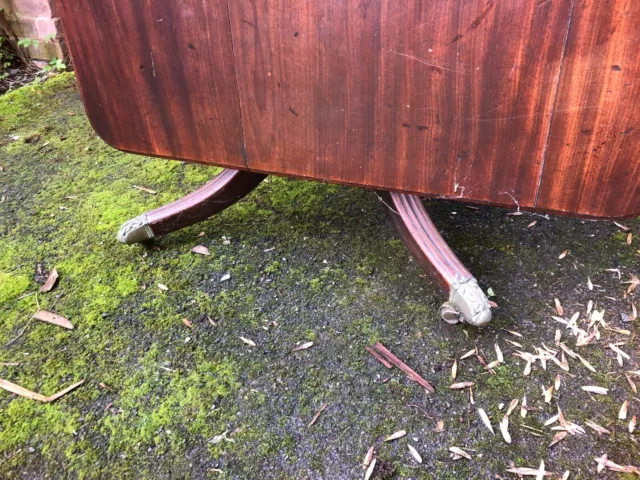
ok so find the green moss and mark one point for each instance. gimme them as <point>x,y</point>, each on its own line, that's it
<point>11,286</point>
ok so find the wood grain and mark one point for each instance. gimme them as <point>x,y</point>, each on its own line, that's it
<point>528,103</point>
<point>593,161</point>
<point>157,76</point>
<point>443,98</point>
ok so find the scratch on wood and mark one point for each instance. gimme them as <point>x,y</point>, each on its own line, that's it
<point>153,65</point>
<point>423,62</point>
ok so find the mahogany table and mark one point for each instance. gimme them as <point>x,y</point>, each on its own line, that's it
<point>525,103</point>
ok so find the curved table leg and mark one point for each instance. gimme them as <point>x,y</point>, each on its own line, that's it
<point>220,193</point>
<point>467,302</point>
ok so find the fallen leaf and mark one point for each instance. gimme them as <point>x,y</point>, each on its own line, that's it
<point>49,317</point>
<point>558,437</point>
<point>548,394</point>
<point>368,457</point>
<point>461,385</point>
<point>594,389</point>
<point>629,238</point>
<point>145,189</point>
<point>23,392</point>
<point>485,419</point>
<point>523,407</point>
<point>504,429</point>
<point>589,283</point>
<point>369,471</point>
<point>563,254</point>
<point>632,384</point>
<point>163,287</point>
<point>633,283</point>
<point>304,346</point>
<point>454,369</point>
<point>469,353</point>
<point>597,428</point>
<point>414,453</point>
<point>248,342</point>
<point>622,414</point>
<point>512,406</point>
<point>532,224</point>
<point>459,453</point>
<point>51,281</point>
<point>622,227</point>
<point>632,424</point>
<point>499,353</point>
<point>439,426</point>
<point>531,472</point>
<point>201,249</point>
<point>225,277</point>
<point>396,435</point>
<point>318,413</point>
<point>490,292</point>
<point>187,322</point>
<point>559,308</point>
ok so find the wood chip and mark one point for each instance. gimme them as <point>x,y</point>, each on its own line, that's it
<point>200,249</point>
<point>396,435</point>
<point>461,385</point>
<point>23,392</point>
<point>403,366</point>
<point>485,419</point>
<point>414,453</point>
<point>145,189</point>
<point>318,413</point>
<point>594,389</point>
<point>248,342</point>
<point>459,453</point>
<point>304,346</point>
<point>49,317</point>
<point>51,281</point>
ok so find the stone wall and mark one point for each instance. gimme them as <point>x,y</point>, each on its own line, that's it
<point>36,19</point>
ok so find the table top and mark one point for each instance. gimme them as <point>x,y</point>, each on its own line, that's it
<point>533,104</point>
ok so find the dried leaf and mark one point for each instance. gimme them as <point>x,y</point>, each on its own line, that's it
<point>439,426</point>
<point>485,419</point>
<point>632,424</point>
<point>369,471</point>
<point>523,407</point>
<point>459,453</point>
<point>622,414</point>
<point>187,322</point>
<point>201,249</point>
<point>619,352</point>
<point>512,406</point>
<point>304,346</point>
<point>594,389</point>
<point>51,281</point>
<point>589,283</point>
<point>163,287</point>
<point>597,428</point>
<point>318,413</point>
<point>396,435</point>
<point>499,353</point>
<point>559,308</point>
<point>632,384</point>
<point>414,453</point>
<point>556,383</point>
<point>248,342</point>
<point>23,392</point>
<point>144,189</point>
<point>621,226</point>
<point>461,385</point>
<point>49,317</point>
<point>469,353</point>
<point>531,472</point>
<point>563,254</point>
<point>454,369</point>
<point>629,238</point>
<point>532,224</point>
<point>504,429</point>
<point>547,394</point>
<point>516,334</point>
<point>368,457</point>
<point>559,436</point>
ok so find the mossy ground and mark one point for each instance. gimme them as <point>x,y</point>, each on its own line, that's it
<point>307,261</point>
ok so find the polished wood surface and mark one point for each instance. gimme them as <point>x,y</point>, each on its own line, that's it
<point>524,103</point>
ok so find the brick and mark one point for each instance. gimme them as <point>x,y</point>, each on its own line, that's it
<point>33,8</point>
<point>46,27</point>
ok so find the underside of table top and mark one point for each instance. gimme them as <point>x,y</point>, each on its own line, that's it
<point>526,103</point>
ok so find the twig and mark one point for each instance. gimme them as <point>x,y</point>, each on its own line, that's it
<point>403,366</point>
<point>378,357</point>
<point>317,415</point>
